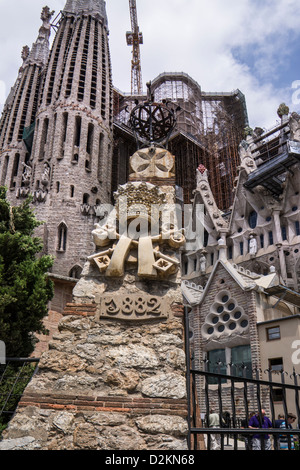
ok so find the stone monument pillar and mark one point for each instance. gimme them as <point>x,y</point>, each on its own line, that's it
<point>114,376</point>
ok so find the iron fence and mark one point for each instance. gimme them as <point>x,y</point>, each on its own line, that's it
<point>15,374</point>
<point>234,394</point>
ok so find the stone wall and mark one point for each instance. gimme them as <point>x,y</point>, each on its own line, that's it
<point>108,384</point>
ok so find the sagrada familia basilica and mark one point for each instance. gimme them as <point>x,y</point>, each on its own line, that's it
<point>153,204</point>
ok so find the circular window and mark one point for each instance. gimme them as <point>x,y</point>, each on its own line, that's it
<point>237,315</point>
<point>294,209</point>
<point>225,317</point>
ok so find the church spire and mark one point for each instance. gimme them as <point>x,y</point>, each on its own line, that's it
<point>40,48</point>
<point>92,7</point>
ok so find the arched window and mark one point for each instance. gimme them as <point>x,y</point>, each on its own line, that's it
<point>75,272</point>
<point>252,220</point>
<point>62,237</point>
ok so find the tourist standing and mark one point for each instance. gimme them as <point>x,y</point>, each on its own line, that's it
<point>260,421</point>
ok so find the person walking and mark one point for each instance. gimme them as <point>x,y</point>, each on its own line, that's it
<point>247,437</point>
<point>214,422</point>
<point>260,421</point>
<point>286,442</point>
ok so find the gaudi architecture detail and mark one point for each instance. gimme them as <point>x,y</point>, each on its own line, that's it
<point>250,285</point>
<point>56,130</point>
<point>111,175</point>
<point>117,361</point>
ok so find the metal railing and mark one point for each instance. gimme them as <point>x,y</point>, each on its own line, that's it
<point>262,395</point>
<point>234,396</point>
<point>15,374</point>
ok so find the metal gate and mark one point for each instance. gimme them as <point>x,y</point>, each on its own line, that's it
<point>233,396</point>
<point>15,374</point>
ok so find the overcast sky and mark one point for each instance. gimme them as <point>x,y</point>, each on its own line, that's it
<point>252,45</point>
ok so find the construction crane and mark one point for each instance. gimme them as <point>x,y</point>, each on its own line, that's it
<point>134,39</point>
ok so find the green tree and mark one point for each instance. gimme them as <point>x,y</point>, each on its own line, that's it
<point>24,286</point>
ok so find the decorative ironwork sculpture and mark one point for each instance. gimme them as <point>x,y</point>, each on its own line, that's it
<point>152,122</point>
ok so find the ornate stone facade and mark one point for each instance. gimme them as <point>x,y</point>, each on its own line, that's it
<point>63,101</point>
<point>246,267</point>
<point>114,375</point>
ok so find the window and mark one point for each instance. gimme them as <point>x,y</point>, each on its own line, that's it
<point>273,333</point>
<point>252,220</point>
<point>186,267</point>
<point>89,146</point>
<point>277,394</point>
<point>283,233</point>
<point>217,364</point>
<point>270,238</point>
<point>276,364</point>
<point>86,198</point>
<point>15,169</point>
<point>44,138</point>
<point>297,227</point>
<point>77,131</point>
<point>205,238</point>
<point>241,248</point>
<point>241,357</point>
<point>262,242</point>
<point>62,237</point>
<point>75,272</point>
<point>100,158</point>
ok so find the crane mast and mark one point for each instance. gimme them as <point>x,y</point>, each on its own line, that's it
<point>134,39</point>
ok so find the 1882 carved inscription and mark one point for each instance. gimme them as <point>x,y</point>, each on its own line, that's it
<point>133,307</point>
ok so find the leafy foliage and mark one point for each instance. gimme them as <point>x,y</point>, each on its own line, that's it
<point>24,287</point>
<point>13,380</point>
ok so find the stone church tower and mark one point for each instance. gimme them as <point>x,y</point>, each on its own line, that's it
<point>56,131</point>
<point>20,111</point>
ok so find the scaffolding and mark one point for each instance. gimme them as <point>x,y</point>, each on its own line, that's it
<point>210,127</point>
<point>225,120</point>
